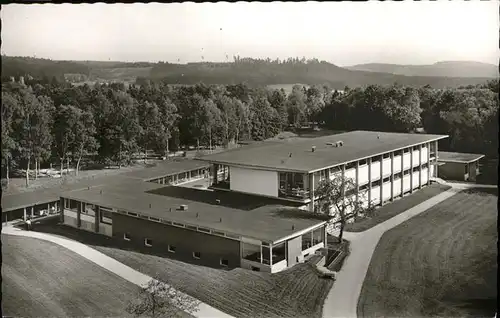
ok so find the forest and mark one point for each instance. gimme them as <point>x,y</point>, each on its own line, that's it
<point>254,72</point>
<point>52,121</point>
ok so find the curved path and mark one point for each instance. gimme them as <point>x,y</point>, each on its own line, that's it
<point>108,263</point>
<point>342,300</point>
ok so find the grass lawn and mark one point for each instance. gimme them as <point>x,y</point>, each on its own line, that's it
<point>442,262</point>
<point>392,209</point>
<point>42,279</point>
<point>296,292</point>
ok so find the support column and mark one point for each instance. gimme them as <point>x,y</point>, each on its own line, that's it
<point>32,211</point>
<point>357,181</point>
<point>420,166</point>
<point>436,160</point>
<point>411,170</point>
<point>215,168</point>
<point>270,255</point>
<point>24,214</point>
<point>61,203</point>
<point>381,180</point>
<point>402,172</point>
<point>97,218</point>
<point>325,234</point>
<point>369,162</point>
<point>78,214</point>
<point>392,176</point>
<point>428,163</point>
<point>48,208</point>
<point>311,191</point>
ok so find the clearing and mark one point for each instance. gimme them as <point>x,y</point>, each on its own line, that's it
<point>399,206</point>
<point>442,262</point>
<point>42,279</point>
<point>296,292</point>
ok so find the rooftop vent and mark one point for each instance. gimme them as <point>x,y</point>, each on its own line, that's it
<point>290,155</point>
<point>313,148</point>
<point>282,161</point>
<point>100,192</point>
<point>340,143</point>
<point>220,220</point>
<point>378,136</point>
<point>293,227</point>
<point>150,205</point>
<point>196,214</point>
<point>183,207</point>
<point>170,209</point>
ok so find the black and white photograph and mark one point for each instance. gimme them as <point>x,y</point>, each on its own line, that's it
<point>250,159</point>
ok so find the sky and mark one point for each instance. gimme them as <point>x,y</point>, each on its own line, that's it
<point>343,33</point>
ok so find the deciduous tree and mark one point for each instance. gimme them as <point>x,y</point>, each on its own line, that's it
<point>158,299</point>
<point>337,197</point>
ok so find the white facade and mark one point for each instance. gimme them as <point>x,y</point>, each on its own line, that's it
<point>363,174</point>
<point>254,181</point>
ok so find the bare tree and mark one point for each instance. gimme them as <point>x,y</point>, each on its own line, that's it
<point>337,197</point>
<point>158,299</point>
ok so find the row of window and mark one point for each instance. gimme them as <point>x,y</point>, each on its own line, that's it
<point>351,165</point>
<point>172,249</point>
<point>105,214</point>
<point>387,179</point>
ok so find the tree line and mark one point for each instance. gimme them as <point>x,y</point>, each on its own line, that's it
<point>51,121</point>
<point>292,70</point>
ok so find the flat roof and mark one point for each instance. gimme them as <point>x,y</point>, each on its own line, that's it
<point>238,214</point>
<point>30,198</point>
<point>166,168</point>
<point>357,145</point>
<point>458,157</point>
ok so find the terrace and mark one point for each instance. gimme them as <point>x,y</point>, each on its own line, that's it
<point>291,186</point>
<point>272,257</point>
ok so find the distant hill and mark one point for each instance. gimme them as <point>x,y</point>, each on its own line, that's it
<point>264,72</point>
<point>255,72</point>
<point>444,69</point>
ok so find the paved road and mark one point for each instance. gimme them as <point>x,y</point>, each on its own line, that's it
<point>108,263</point>
<point>342,300</point>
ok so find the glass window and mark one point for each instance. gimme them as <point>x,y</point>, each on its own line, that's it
<point>466,168</point>
<point>224,262</point>
<point>148,242</point>
<point>106,216</point>
<point>350,165</point>
<point>126,236</point>
<point>318,236</point>
<point>89,209</point>
<point>171,248</point>
<point>266,254</point>
<point>196,255</point>
<point>362,162</point>
<point>306,241</point>
<point>279,252</point>
<point>73,205</point>
<point>251,252</point>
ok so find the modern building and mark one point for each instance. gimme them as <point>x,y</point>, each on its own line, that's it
<point>257,213</point>
<point>34,203</point>
<point>459,166</point>
<point>206,227</point>
<point>383,166</point>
